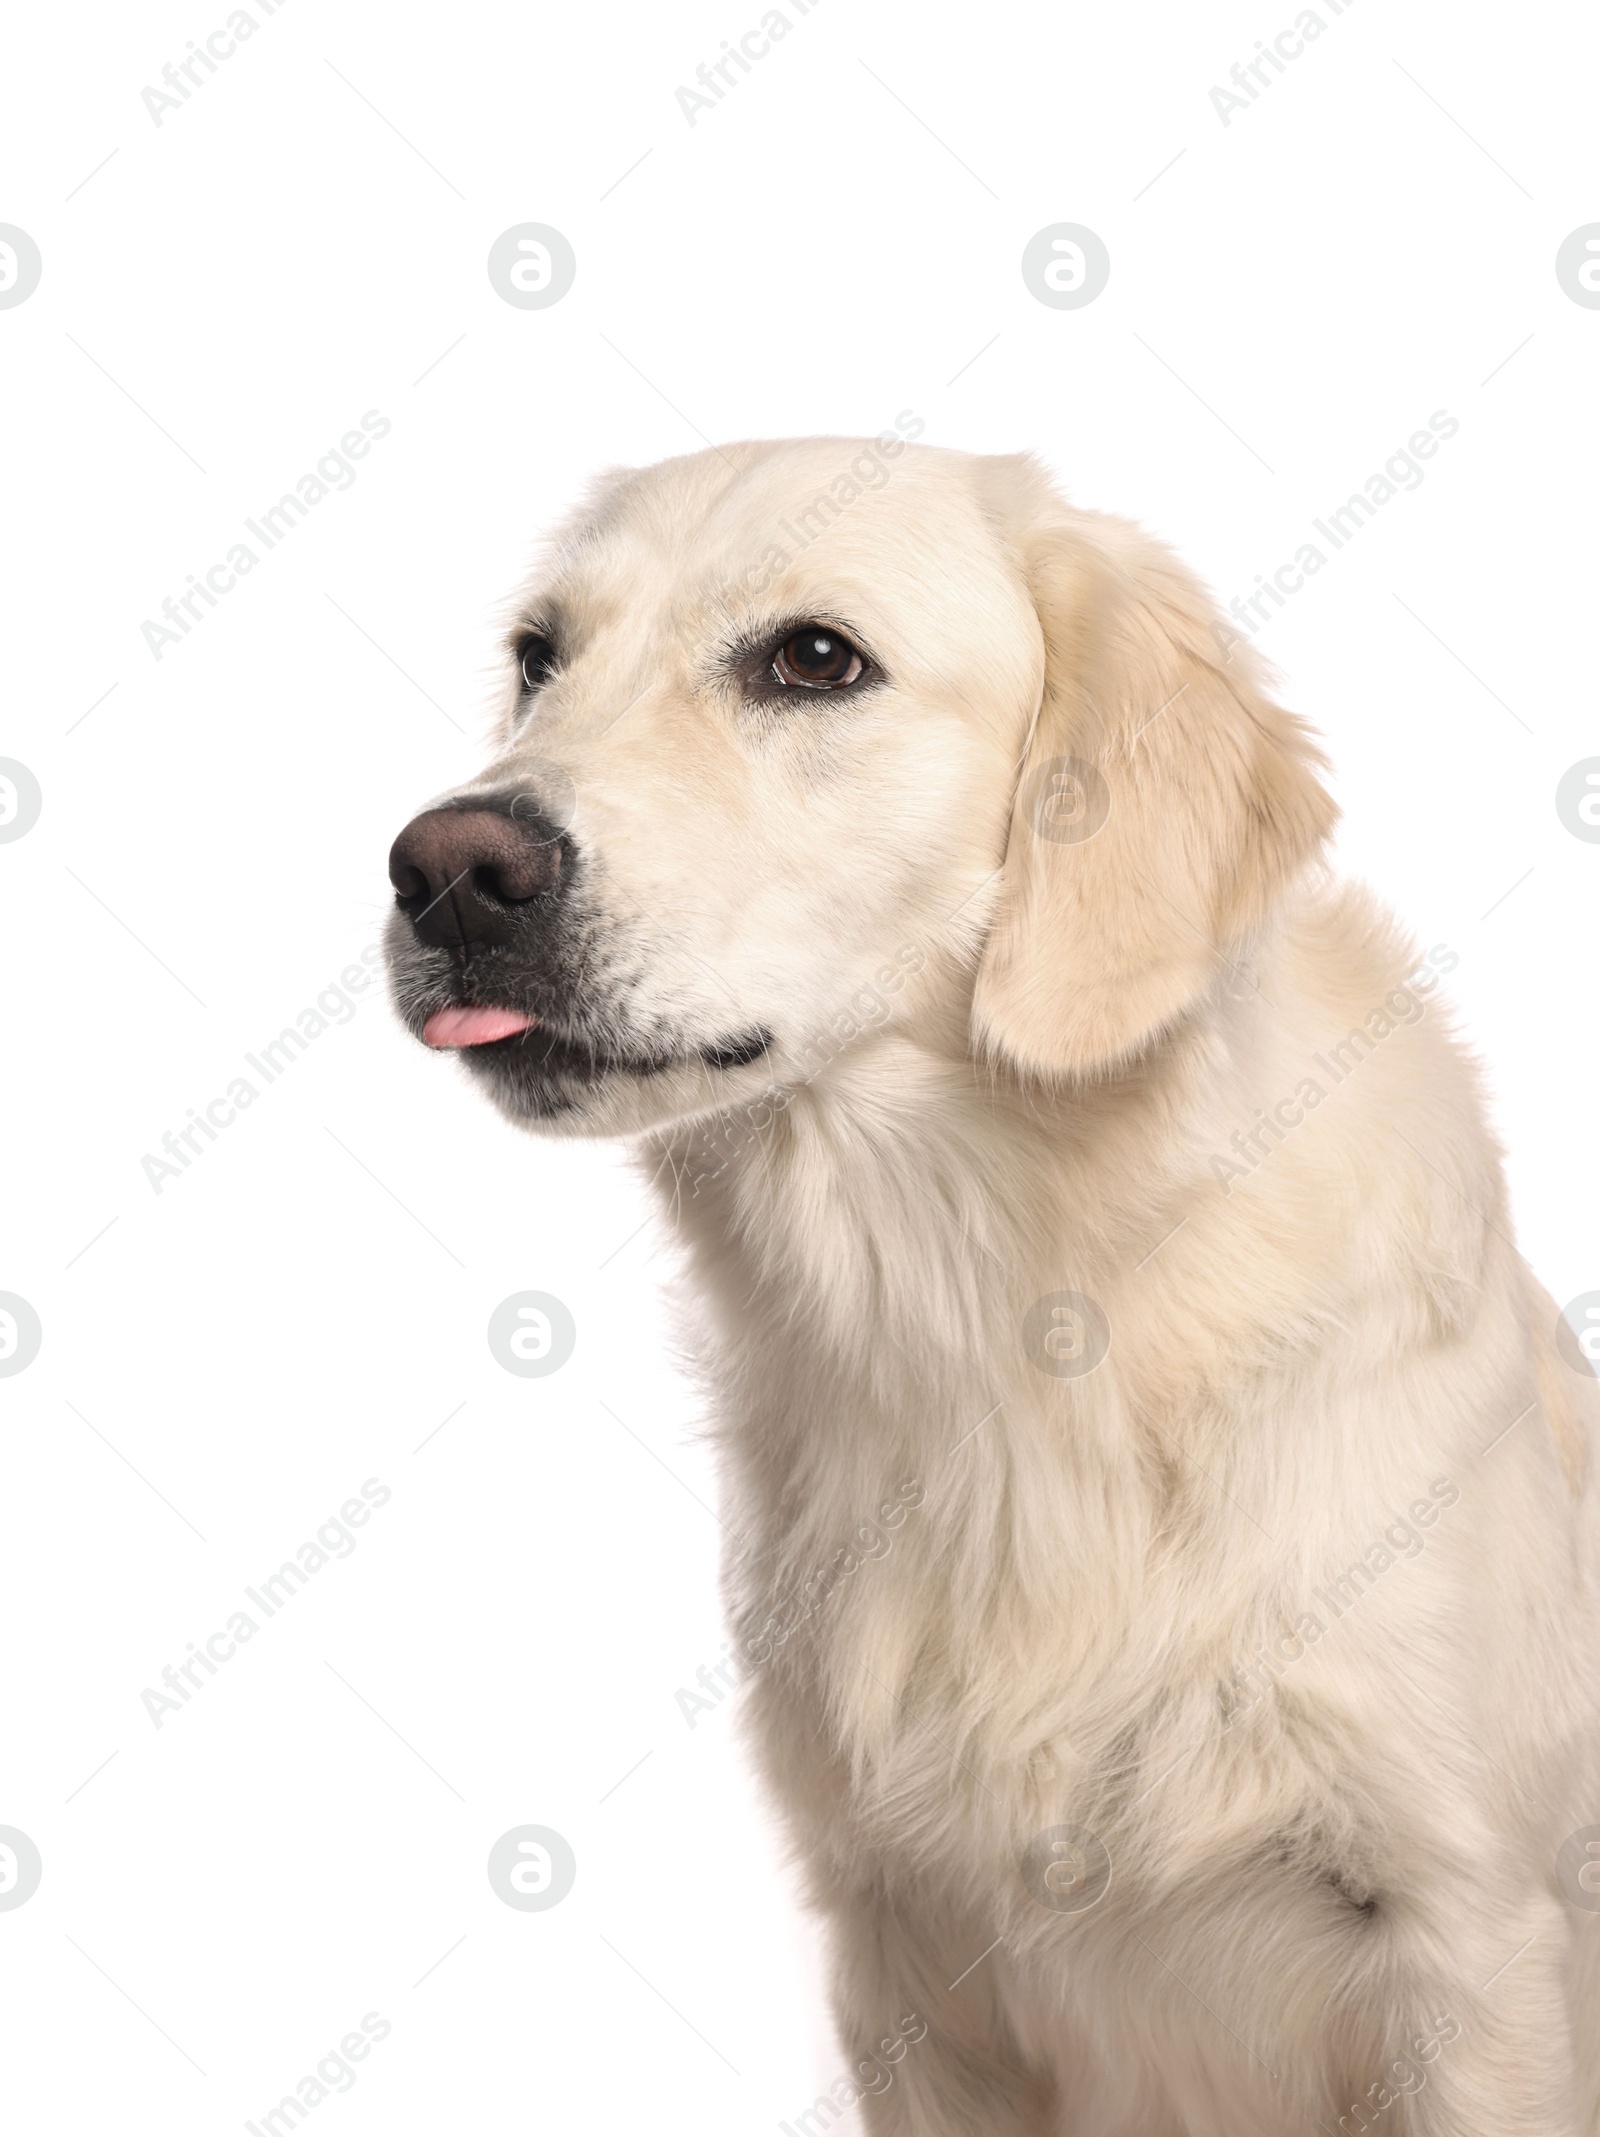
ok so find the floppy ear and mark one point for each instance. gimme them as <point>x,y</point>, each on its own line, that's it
<point>1163,803</point>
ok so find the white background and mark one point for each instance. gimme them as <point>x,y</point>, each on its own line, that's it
<point>1291,296</point>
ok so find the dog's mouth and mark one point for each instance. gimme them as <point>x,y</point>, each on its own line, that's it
<point>542,1039</point>
<point>524,1044</point>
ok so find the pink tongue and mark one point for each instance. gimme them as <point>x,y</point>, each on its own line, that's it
<point>474,1027</point>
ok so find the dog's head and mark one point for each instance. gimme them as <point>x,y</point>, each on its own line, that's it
<point>803,741</point>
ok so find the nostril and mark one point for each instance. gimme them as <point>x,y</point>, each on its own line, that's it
<point>512,879</point>
<point>409,882</point>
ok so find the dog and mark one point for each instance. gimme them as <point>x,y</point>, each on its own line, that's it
<point>1163,1529</point>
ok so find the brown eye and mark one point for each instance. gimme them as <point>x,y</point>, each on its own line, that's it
<point>536,657</point>
<point>818,658</point>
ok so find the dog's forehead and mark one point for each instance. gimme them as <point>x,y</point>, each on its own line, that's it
<point>746,519</point>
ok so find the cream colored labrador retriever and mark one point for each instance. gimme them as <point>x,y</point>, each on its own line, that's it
<point>1165,1538</point>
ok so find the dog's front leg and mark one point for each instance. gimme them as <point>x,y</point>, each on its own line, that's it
<point>920,2012</point>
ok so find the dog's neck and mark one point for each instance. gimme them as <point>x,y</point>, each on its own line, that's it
<point>867,1252</point>
<point>907,1202</point>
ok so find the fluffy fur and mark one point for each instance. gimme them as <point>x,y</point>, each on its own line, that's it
<point>1282,1612</point>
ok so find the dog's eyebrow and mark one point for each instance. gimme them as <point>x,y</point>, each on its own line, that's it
<point>542,621</point>
<point>758,637</point>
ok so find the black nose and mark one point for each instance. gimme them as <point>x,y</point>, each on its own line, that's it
<point>464,875</point>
